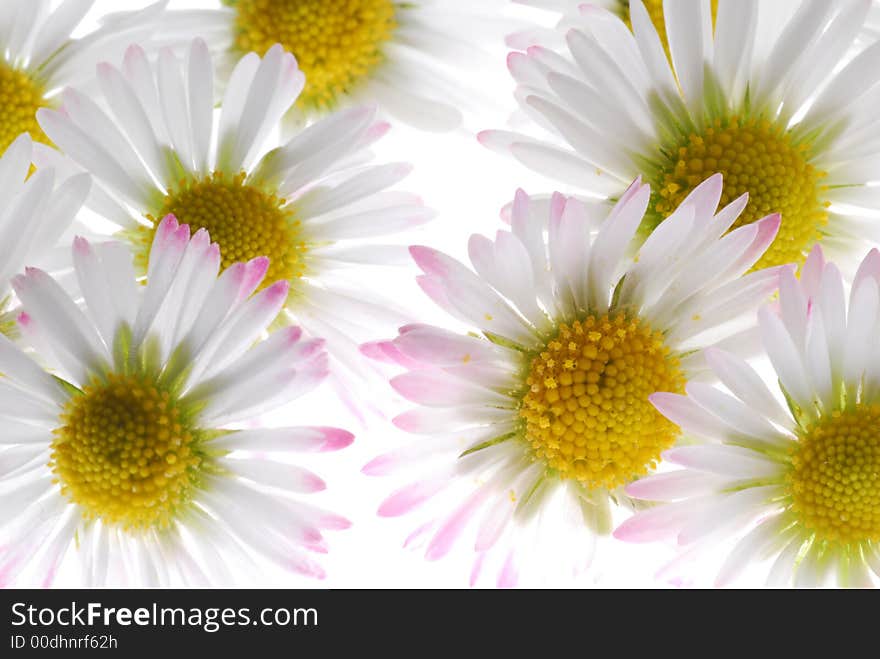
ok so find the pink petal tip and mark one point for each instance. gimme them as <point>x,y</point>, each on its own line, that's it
<point>335,439</point>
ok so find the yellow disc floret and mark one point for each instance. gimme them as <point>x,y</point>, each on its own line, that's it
<point>244,220</point>
<point>20,98</point>
<point>835,476</point>
<point>587,412</point>
<point>125,453</point>
<point>337,43</point>
<point>754,156</point>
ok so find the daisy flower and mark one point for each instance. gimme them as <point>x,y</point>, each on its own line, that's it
<point>420,60</point>
<point>124,454</point>
<point>313,205</point>
<point>770,99</point>
<point>539,416</point>
<point>796,482</point>
<point>38,56</point>
<point>35,213</point>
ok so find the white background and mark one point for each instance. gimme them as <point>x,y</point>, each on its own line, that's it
<point>467,185</point>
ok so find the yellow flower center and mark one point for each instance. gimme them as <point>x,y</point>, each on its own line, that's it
<point>20,97</point>
<point>754,156</point>
<point>245,220</point>
<point>125,453</point>
<point>337,43</point>
<point>587,412</point>
<point>655,12</point>
<point>835,476</point>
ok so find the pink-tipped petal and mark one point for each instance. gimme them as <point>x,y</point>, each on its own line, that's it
<point>506,213</point>
<point>653,524</point>
<point>673,485</point>
<point>179,239</point>
<point>434,388</point>
<point>377,131</point>
<point>81,246</point>
<point>378,466</point>
<point>434,290</point>
<point>408,497</point>
<point>254,271</point>
<point>49,579</point>
<point>445,538</point>
<point>306,567</point>
<point>509,576</point>
<point>305,350</point>
<point>768,227</point>
<point>515,60</point>
<point>313,483</point>
<point>433,345</point>
<point>412,327</point>
<point>417,538</point>
<point>476,569</point>
<point>557,207</point>
<point>236,273</point>
<point>291,334</point>
<point>811,273</point>
<point>134,51</point>
<point>335,439</point>
<point>428,259</point>
<point>499,141</point>
<point>869,268</point>
<point>200,239</point>
<point>630,192</point>
<point>373,350</point>
<point>706,196</point>
<point>277,293</point>
<point>319,547</point>
<point>386,352</point>
<point>520,209</point>
<point>409,421</point>
<point>167,227</point>
<point>333,522</point>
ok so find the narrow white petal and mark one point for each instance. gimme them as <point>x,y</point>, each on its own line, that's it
<point>785,357</point>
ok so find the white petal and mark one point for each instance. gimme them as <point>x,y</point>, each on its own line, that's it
<point>684,28</point>
<point>133,117</point>
<point>735,413</point>
<point>750,548</point>
<point>734,511</point>
<point>200,92</point>
<point>747,385</point>
<point>172,99</point>
<point>675,485</point>
<point>785,357</point>
<point>275,474</point>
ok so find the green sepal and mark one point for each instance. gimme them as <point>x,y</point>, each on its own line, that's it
<point>597,514</point>
<point>122,350</point>
<point>523,509</point>
<point>150,354</point>
<point>801,416</point>
<point>713,95</point>
<point>177,368</point>
<point>500,439</point>
<point>672,118</point>
<point>615,296</point>
<point>175,168</point>
<point>68,387</point>
<point>499,340</point>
